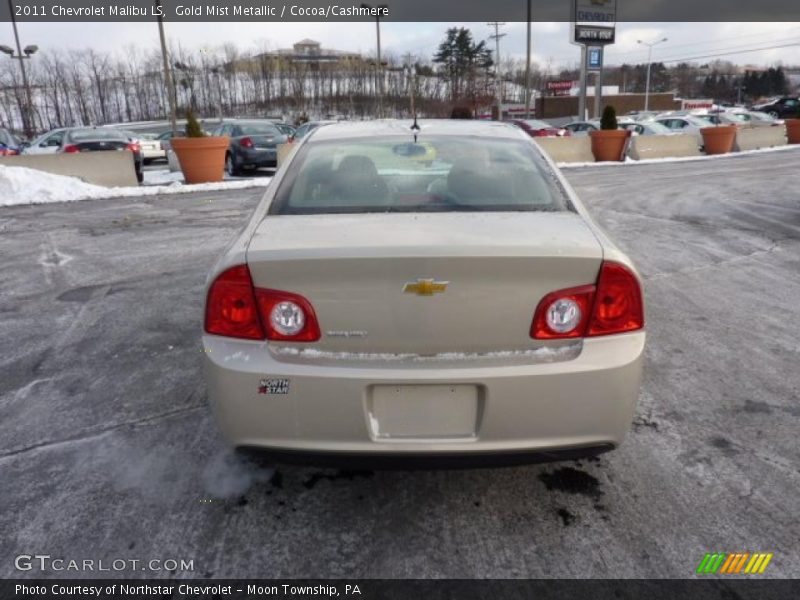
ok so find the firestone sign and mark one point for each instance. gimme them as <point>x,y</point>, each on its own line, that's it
<point>594,21</point>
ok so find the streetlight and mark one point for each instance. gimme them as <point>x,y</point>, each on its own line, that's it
<point>379,12</point>
<point>21,55</point>
<point>649,60</point>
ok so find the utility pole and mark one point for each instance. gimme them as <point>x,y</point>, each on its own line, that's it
<point>496,37</point>
<point>379,12</point>
<point>528,67</point>
<point>27,113</point>
<point>167,70</point>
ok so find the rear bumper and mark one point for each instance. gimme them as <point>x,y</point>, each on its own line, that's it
<point>574,406</point>
<point>258,157</point>
<point>418,460</point>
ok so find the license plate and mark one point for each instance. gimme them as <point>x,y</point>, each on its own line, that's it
<point>423,411</point>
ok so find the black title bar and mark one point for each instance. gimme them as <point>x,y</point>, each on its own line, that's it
<point>396,10</point>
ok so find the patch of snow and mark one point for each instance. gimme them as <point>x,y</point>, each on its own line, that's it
<point>162,177</point>
<point>20,185</point>
<point>654,161</point>
<point>538,354</point>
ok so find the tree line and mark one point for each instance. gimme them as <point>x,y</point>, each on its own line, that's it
<point>84,87</point>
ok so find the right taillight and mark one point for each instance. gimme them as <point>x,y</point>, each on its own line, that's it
<point>618,304</point>
<point>613,305</point>
<point>235,308</point>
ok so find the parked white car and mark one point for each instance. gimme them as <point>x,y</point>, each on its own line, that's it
<point>685,124</point>
<point>149,143</point>
<point>47,143</point>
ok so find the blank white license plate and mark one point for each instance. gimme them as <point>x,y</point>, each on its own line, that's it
<point>423,411</point>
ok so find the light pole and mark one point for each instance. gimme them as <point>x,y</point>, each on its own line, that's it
<point>379,10</point>
<point>167,71</point>
<point>22,54</point>
<point>649,62</point>
<point>528,66</point>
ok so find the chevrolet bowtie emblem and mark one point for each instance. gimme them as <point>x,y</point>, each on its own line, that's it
<point>425,287</point>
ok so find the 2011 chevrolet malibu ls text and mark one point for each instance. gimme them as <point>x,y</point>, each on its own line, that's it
<point>458,310</point>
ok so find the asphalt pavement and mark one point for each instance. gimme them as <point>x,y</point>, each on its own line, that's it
<point>108,450</point>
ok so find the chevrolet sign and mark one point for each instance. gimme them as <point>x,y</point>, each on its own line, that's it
<point>594,21</point>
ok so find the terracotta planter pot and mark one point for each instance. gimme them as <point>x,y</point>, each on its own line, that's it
<point>202,159</point>
<point>719,140</point>
<point>609,145</point>
<point>793,130</point>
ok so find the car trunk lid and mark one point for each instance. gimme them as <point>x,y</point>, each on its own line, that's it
<point>424,283</point>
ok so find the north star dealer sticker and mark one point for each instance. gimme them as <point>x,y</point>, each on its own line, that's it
<point>273,386</point>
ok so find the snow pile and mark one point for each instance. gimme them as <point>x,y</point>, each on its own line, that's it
<point>20,185</point>
<point>654,161</point>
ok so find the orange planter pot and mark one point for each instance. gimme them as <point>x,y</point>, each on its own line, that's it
<point>793,130</point>
<point>719,140</point>
<point>609,144</point>
<point>202,159</point>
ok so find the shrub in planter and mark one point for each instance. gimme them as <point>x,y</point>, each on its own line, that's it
<point>202,157</point>
<point>610,143</point>
<point>793,128</point>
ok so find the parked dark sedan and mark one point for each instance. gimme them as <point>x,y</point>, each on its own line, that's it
<point>254,144</point>
<point>93,139</point>
<point>782,108</point>
<point>9,145</point>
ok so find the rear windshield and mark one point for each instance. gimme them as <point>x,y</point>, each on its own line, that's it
<point>83,135</point>
<point>256,129</point>
<point>437,174</point>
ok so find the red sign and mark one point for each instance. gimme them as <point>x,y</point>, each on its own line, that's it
<point>559,88</point>
<point>696,104</point>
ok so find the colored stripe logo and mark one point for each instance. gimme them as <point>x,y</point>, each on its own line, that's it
<point>734,563</point>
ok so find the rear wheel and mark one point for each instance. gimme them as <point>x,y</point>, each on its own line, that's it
<point>231,167</point>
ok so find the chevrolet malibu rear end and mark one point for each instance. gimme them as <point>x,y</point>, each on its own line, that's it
<point>464,310</point>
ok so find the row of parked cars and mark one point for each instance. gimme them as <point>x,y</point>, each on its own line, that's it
<point>253,142</point>
<point>674,122</point>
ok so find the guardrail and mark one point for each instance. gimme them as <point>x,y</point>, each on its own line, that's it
<point>109,169</point>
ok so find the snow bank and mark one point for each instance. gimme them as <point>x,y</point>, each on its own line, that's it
<point>20,185</point>
<point>654,161</point>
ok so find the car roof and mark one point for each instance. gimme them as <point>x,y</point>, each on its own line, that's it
<point>399,127</point>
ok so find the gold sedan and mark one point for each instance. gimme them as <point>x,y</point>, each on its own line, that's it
<point>462,311</point>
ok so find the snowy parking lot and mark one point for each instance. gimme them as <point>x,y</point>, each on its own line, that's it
<point>108,449</point>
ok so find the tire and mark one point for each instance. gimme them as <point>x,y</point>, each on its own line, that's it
<point>231,168</point>
<point>774,114</point>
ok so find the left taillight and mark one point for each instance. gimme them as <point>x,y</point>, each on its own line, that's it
<point>133,147</point>
<point>71,149</point>
<point>231,309</point>
<point>235,308</point>
<point>613,305</point>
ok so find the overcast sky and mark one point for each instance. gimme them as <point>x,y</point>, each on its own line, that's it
<point>700,41</point>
